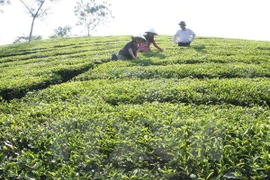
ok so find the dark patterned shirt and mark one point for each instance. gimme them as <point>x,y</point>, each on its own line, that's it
<point>129,45</point>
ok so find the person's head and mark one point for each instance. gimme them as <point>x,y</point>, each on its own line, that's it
<point>182,25</point>
<point>138,38</point>
<point>151,32</point>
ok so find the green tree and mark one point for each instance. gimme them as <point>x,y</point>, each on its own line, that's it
<point>36,10</point>
<point>26,38</point>
<point>62,32</point>
<point>2,3</point>
<point>91,14</point>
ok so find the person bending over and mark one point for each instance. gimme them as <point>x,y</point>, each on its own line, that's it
<point>129,51</point>
<point>150,38</point>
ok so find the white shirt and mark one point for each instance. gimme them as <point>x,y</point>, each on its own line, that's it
<point>184,36</point>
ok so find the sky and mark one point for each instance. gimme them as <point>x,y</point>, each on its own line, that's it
<point>239,19</point>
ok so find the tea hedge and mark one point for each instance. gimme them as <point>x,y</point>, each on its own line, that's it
<point>68,112</point>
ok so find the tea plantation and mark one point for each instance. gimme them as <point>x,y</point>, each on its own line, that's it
<point>200,112</point>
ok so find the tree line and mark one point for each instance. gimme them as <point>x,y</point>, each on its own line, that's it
<point>90,14</point>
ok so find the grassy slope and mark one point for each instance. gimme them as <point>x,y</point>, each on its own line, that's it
<point>186,113</point>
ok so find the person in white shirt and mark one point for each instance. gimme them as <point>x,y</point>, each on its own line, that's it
<point>184,36</point>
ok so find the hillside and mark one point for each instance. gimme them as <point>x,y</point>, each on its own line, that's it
<point>68,112</point>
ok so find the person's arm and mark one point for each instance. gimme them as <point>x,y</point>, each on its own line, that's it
<point>155,44</point>
<point>174,38</point>
<point>193,35</point>
<point>131,53</point>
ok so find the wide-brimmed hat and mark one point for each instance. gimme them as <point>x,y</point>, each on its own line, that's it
<point>152,30</point>
<point>182,23</point>
<point>141,36</point>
